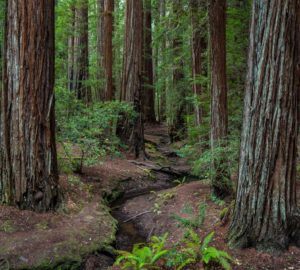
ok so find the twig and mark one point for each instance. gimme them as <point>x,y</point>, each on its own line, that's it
<point>138,215</point>
<point>150,233</point>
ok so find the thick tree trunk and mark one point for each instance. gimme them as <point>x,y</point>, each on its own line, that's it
<point>29,177</point>
<point>131,88</point>
<point>81,52</point>
<point>265,211</point>
<point>108,49</point>
<point>195,6</point>
<point>148,87</point>
<point>219,114</point>
<point>177,123</point>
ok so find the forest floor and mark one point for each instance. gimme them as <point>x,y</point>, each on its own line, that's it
<point>141,196</point>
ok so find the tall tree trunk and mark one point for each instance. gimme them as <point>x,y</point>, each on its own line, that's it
<point>71,44</point>
<point>177,123</point>
<point>148,87</point>
<point>195,6</point>
<point>265,211</point>
<point>219,114</point>
<point>100,49</point>
<point>131,88</point>
<point>29,177</point>
<point>81,54</point>
<point>107,48</point>
<point>162,14</point>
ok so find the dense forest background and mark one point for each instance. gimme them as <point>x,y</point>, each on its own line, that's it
<point>83,32</point>
<point>102,99</point>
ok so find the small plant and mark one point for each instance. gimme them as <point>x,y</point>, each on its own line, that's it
<point>144,257</point>
<point>161,199</point>
<point>150,174</point>
<point>216,200</point>
<point>194,221</point>
<point>180,182</point>
<point>198,250</point>
<point>7,227</point>
<point>42,226</point>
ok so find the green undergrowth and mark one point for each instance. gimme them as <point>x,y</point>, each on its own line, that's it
<point>160,254</point>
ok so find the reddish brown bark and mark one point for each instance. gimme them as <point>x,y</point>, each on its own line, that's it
<point>131,88</point>
<point>265,214</point>
<point>161,99</point>
<point>29,177</point>
<point>100,50</point>
<point>108,48</point>
<point>195,6</point>
<point>81,52</point>
<point>177,123</point>
<point>148,87</point>
<point>219,114</point>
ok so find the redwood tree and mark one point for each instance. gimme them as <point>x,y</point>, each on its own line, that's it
<point>100,49</point>
<point>107,48</point>
<point>148,87</point>
<point>81,52</point>
<point>131,88</point>
<point>265,213</point>
<point>177,122</point>
<point>71,38</point>
<point>195,8</point>
<point>219,114</point>
<point>29,177</point>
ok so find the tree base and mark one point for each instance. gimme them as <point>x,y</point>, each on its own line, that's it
<point>274,244</point>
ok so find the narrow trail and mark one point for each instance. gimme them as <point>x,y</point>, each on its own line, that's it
<point>166,167</point>
<point>138,179</point>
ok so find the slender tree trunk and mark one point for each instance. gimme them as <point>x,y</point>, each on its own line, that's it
<point>148,87</point>
<point>108,49</point>
<point>131,89</point>
<point>163,48</point>
<point>29,177</point>
<point>195,6</point>
<point>81,58</point>
<point>265,212</point>
<point>221,184</point>
<point>71,49</point>
<point>100,50</point>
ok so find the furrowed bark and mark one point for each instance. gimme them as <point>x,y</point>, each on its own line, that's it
<point>148,87</point>
<point>28,163</point>
<point>131,89</point>
<point>266,214</point>
<point>221,185</point>
<point>108,49</point>
<point>81,52</point>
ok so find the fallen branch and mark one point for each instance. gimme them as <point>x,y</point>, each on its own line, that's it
<point>166,169</point>
<point>138,215</point>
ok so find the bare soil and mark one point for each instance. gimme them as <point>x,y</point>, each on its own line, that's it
<point>74,236</point>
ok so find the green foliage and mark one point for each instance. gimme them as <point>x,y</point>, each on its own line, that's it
<point>194,250</point>
<point>180,182</point>
<point>161,199</point>
<point>190,250</point>
<point>7,227</point>
<point>89,130</point>
<point>195,221</point>
<point>201,160</point>
<point>144,257</point>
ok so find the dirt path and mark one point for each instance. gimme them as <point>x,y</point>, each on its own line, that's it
<point>145,202</point>
<point>170,210</point>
